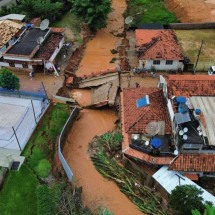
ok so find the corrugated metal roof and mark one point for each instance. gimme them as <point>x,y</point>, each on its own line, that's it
<point>14,16</point>
<point>170,179</point>
<point>206,104</point>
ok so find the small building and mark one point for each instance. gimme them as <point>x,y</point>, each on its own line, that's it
<point>13,17</point>
<point>34,49</point>
<point>172,125</point>
<point>168,180</point>
<point>9,33</point>
<point>158,49</point>
<point>146,126</point>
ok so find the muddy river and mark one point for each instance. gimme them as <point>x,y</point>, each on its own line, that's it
<point>97,191</point>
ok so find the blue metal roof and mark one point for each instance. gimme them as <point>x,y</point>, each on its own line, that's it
<point>142,102</point>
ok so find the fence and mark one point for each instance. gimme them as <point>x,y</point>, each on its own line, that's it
<point>19,119</point>
<point>62,140</point>
<point>39,94</point>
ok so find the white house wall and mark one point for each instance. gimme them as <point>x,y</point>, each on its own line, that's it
<point>57,50</point>
<point>162,66</point>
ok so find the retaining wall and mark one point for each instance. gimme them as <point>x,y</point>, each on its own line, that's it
<point>62,141</point>
<point>188,26</point>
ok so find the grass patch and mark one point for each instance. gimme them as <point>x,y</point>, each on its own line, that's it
<point>41,146</point>
<point>18,193</point>
<point>190,41</point>
<point>72,24</point>
<point>150,11</point>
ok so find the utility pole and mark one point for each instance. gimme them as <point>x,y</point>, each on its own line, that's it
<point>198,56</point>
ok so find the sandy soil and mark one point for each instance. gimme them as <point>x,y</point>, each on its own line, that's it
<point>97,191</point>
<point>193,10</point>
<point>97,55</point>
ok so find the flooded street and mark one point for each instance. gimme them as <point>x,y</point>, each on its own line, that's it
<point>97,191</point>
<point>97,55</point>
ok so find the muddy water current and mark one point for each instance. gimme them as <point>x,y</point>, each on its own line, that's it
<point>97,191</point>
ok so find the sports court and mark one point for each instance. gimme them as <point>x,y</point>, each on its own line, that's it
<point>18,119</point>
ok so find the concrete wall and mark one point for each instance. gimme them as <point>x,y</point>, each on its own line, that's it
<point>62,140</point>
<point>188,26</point>
<point>149,63</point>
<point>57,50</point>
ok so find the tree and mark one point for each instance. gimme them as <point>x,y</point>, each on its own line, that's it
<point>8,80</point>
<point>41,8</point>
<point>93,12</point>
<point>209,210</point>
<point>185,198</point>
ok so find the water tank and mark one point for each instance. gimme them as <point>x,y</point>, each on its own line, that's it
<point>197,114</point>
<point>28,25</point>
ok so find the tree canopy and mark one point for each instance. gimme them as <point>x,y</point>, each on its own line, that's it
<point>49,9</point>
<point>93,12</point>
<point>8,80</point>
<point>185,198</point>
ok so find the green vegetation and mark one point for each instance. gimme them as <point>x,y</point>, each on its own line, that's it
<point>185,198</point>
<point>71,23</point>
<point>41,146</point>
<point>18,193</point>
<point>150,11</point>
<point>105,158</point>
<point>50,9</point>
<point>8,80</point>
<point>209,210</point>
<point>94,12</point>
<point>190,41</point>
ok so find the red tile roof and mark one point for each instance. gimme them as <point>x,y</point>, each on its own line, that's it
<point>136,119</point>
<point>191,85</point>
<point>194,163</point>
<point>134,153</point>
<point>158,44</point>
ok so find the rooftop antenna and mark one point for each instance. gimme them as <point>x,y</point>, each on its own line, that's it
<point>44,24</point>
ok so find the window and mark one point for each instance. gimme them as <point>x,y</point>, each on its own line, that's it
<point>25,65</point>
<point>169,62</point>
<point>12,64</point>
<point>156,62</point>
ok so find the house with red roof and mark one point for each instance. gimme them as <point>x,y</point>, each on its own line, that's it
<point>159,49</point>
<point>172,125</point>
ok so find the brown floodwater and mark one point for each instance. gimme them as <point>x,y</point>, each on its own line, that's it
<point>82,96</point>
<point>97,55</point>
<point>97,191</point>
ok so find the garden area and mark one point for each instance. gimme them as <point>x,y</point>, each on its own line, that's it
<point>18,195</point>
<point>190,41</point>
<point>149,11</point>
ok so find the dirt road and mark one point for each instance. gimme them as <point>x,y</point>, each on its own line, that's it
<point>193,10</point>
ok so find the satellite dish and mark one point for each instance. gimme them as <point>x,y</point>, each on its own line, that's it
<point>152,128</point>
<point>40,40</point>
<point>175,152</point>
<point>128,20</point>
<point>44,24</point>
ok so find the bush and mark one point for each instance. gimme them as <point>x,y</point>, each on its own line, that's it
<point>43,168</point>
<point>8,80</point>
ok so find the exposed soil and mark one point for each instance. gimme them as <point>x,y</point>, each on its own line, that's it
<point>97,191</point>
<point>193,10</point>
